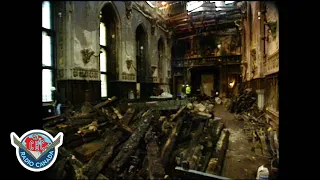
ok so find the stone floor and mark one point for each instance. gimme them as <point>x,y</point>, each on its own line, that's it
<point>240,162</point>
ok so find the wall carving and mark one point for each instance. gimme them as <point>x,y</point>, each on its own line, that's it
<point>253,61</point>
<point>272,64</point>
<point>272,29</point>
<point>152,80</point>
<point>85,73</point>
<point>86,55</point>
<point>272,93</point>
<point>244,70</point>
<point>128,5</point>
<point>128,76</point>
<point>153,25</point>
<point>60,73</point>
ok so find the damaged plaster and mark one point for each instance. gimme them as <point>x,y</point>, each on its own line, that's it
<point>82,34</point>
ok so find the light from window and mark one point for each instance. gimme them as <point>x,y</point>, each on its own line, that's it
<point>103,85</point>
<point>46,85</point>
<point>228,2</point>
<point>46,19</point>
<point>103,32</point>
<point>46,50</point>
<point>192,5</point>
<point>103,60</point>
<point>151,3</point>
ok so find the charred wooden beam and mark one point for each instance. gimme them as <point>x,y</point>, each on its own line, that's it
<point>58,171</point>
<point>117,112</point>
<point>113,120</point>
<point>177,114</point>
<point>53,117</point>
<point>168,146</point>
<point>207,141</point>
<point>84,115</point>
<point>86,151</point>
<point>135,121</point>
<point>194,159</point>
<point>155,167</point>
<point>187,157</point>
<point>53,122</point>
<point>75,166</point>
<point>216,131</point>
<point>78,140</point>
<point>102,156</point>
<point>128,116</point>
<point>134,166</point>
<point>105,102</point>
<point>132,143</point>
<point>219,152</point>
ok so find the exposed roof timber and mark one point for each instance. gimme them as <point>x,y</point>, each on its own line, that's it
<point>204,17</point>
<point>209,17</point>
<point>179,16</point>
<point>221,26</point>
<point>197,23</point>
<point>210,33</point>
<point>199,14</point>
<point>207,22</point>
<point>207,9</point>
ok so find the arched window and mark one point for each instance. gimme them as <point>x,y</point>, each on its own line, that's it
<point>108,50</point>
<point>48,65</point>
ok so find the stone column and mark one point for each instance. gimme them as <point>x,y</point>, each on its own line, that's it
<point>260,93</point>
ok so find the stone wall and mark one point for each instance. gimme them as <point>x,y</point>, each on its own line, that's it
<point>78,31</point>
<point>260,52</point>
<point>77,27</point>
<point>260,42</point>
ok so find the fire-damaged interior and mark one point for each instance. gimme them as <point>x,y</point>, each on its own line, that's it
<point>162,89</point>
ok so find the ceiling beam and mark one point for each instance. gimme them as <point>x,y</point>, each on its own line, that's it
<point>216,27</point>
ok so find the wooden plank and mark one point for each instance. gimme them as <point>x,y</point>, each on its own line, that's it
<point>102,156</point>
<point>177,114</point>
<point>53,117</point>
<point>105,102</point>
<point>167,148</point>
<point>132,143</point>
<point>85,152</point>
<point>220,151</point>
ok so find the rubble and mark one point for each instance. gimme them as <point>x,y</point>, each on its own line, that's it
<point>242,102</point>
<point>255,123</point>
<point>138,141</point>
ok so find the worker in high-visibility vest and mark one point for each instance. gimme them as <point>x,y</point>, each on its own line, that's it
<point>188,90</point>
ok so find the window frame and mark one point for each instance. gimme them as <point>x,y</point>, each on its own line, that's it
<point>105,48</point>
<point>52,34</point>
<point>104,72</point>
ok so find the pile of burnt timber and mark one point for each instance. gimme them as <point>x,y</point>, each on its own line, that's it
<point>115,141</point>
<point>242,102</point>
<point>202,142</point>
<point>255,124</point>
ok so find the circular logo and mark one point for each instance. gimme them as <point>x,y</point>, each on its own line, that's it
<point>36,150</point>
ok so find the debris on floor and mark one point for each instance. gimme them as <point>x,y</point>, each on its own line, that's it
<point>263,139</point>
<point>242,102</point>
<point>116,141</point>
